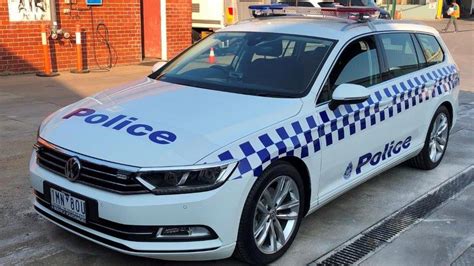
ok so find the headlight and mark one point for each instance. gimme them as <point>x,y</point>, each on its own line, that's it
<point>192,179</point>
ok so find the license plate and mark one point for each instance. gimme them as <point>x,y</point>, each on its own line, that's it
<point>66,204</point>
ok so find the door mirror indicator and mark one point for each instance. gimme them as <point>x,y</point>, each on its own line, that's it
<point>348,94</point>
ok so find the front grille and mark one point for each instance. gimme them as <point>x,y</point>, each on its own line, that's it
<point>92,174</point>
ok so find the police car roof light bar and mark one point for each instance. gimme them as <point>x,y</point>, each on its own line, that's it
<point>359,14</point>
<point>267,10</point>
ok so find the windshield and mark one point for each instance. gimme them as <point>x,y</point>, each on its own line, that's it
<point>265,64</point>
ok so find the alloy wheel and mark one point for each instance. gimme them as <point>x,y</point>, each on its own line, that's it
<point>276,214</point>
<point>438,137</point>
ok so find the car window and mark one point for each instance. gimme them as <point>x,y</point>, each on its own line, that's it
<point>419,53</point>
<point>288,47</point>
<point>357,64</point>
<point>431,49</point>
<point>400,53</point>
<point>265,64</point>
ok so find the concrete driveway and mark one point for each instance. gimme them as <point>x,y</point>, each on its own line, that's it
<point>25,238</point>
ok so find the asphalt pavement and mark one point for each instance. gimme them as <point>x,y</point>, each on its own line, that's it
<point>446,236</point>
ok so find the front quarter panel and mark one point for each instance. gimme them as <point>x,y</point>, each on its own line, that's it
<point>296,137</point>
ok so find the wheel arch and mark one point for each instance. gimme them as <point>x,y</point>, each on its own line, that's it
<point>303,170</point>
<point>449,106</point>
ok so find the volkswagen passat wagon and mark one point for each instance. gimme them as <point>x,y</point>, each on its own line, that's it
<point>223,150</point>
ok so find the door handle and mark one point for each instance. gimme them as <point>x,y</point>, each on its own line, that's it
<point>430,83</point>
<point>384,104</point>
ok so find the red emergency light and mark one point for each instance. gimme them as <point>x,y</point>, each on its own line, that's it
<point>350,12</point>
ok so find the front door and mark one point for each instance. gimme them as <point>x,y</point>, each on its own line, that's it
<point>151,28</point>
<point>353,135</point>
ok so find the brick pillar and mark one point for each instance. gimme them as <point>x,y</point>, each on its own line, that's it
<point>178,26</point>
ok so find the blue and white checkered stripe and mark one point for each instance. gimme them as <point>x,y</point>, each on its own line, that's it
<point>303,137</point>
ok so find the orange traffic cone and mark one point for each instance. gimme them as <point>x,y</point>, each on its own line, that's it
<point>212,57</point>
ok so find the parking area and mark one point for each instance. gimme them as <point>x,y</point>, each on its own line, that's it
<point>25,238</point>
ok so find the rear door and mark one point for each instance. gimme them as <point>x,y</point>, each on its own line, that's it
<point>407,95</point>
<point>440,75</point>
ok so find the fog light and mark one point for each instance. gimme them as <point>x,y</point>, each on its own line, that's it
<point>184,233</point>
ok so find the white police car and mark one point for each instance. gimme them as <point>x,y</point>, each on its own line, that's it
<point>227,147</point>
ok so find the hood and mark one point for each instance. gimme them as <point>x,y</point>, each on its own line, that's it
<point>151,123</point>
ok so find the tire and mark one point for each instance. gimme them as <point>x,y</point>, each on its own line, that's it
<point>423,160</point>
<point>247,248</point>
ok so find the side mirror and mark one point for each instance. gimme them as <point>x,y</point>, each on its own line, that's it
<point>157,66</point>
<point>348,94</point>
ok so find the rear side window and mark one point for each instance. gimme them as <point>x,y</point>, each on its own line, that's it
<point>419,53</point>
<point>431,49</point>
<point>400,53</point>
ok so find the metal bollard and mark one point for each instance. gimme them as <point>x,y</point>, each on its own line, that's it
<point>79,66</point>
<point>46,55</point>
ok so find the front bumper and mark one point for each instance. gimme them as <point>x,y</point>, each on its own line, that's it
<point>219,210</point>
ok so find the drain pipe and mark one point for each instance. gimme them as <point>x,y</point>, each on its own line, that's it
<point>54,20</point>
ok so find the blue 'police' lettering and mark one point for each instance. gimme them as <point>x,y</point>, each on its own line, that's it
<point>96,119</point>
<point>132,130</point>
<point>162,137</point>
<point>406,143</point>
<point>364,159</point>
<point>120,122</point>
<point>389,149</point>
<point>113,120</point>
<point>376,158</point>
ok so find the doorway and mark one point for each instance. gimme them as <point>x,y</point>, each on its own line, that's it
<point>151,29</point>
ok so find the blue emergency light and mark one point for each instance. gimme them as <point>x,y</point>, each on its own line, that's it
<point>266,10</point>
<point>268,7</point>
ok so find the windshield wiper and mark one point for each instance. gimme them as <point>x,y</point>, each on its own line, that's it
<point>273,95</point>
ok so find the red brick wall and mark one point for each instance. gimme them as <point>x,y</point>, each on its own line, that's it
<point>20,42</point>
<point>20,46</point>
<point>178,25</point>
